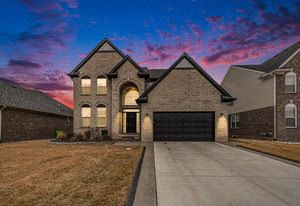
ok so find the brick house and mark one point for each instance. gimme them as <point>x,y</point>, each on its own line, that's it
<point>268,97</point>
<point>112,92</point>
<point>27,114</point>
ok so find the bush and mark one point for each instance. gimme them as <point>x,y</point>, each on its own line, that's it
<point>87,135</point>
<point>105,136</point>
<point>79,137</point>
<point>61,135</point>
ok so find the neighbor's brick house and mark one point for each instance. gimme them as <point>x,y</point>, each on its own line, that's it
<point>268,97</point>
<point>112,92</point>
<point>27,114</point>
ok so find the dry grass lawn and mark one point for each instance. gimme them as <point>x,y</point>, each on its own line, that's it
<point>40,173</point>
<point>279,149</point>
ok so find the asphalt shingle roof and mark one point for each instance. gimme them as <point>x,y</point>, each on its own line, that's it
<point>274,62</point>
<point>12,95</point>
<point>156,73</point>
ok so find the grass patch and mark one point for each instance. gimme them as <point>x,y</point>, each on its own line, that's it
<point>279,149</point>
<point>40,173</point>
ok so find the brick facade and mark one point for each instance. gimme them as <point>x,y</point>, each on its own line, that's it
<point>19,124</point>
<point>254,123</point>
<point>282,98</point>
<point>184,90</point>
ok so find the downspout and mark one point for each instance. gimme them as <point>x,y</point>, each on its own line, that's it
<point>275,122</point>
<point>1,121</point>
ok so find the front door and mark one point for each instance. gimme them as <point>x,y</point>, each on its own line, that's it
<point>130,122</point>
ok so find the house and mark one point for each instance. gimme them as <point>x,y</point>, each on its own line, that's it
<point>112,92</point>
<point>28,114</point>
<point>268,97</point>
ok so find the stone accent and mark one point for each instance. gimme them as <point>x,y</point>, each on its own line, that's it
<point>254,123</point>
<point>38,125</point>
<point>287,134</point>
<point>184,90</point>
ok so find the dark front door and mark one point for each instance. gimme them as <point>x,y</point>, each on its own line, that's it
<point>184,126</point>
<point>131,122</point>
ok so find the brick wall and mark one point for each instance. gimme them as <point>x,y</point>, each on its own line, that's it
<point>255,122</point>
<point>19,124</point>
<point>287,134</point>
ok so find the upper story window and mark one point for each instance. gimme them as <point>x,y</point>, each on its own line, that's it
<point>129,96</point>
<point>290,82</point>
<point>86,83</point>
<point>101,116</point>
<point>290,116</point>
<point>101,85</point>
<point>235,121</point>
<point>86,116</point>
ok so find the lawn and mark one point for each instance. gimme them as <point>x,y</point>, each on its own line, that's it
<point>279,149</point>
<point>40,173</point>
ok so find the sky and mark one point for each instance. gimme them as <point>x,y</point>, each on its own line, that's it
<point>41,41</point>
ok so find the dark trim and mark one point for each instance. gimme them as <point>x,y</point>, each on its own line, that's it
<point>114,72</point>
<point>135,180</point>
<point>105,40</point>
<point>144,97</point>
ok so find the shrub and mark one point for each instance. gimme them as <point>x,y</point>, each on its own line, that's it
<point>87,135</point>
<point>79,137</point>
<point>105,136</point>
<point>61,135</point>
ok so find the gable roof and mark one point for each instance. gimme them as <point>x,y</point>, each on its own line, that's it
<point>274,62</point>
<point>12,95</point>
<point>226,97</point>
<point>74,72</point>
<point>114,72</point>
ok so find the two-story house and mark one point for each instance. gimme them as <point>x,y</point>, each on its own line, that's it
<point>112,92</point>
<point>268,97</point>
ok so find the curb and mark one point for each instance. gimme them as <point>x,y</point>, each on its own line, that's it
<point>135,180</point>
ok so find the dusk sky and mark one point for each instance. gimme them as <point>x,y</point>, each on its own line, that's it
<point>41,41</point>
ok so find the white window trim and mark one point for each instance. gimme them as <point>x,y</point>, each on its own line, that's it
<point>233,121</point>
<point>295,78</point>
<point>296,123</point>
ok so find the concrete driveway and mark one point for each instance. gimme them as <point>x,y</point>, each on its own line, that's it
<point>200,173</point>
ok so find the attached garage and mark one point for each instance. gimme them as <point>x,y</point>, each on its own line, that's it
<point>184,126</point>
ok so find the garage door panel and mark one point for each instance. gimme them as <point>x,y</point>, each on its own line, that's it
<point>183,126</point>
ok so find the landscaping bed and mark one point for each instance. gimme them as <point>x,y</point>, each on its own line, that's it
<point>39,173</point>
<point>290,151</point>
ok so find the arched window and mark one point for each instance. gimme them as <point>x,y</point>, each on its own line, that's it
<point>130,94</point>
<point>101,85</point>
<point>101,116</point>
<point>290,82</point>
<point>85,115</point>
<point>290,116</point>
<point>86,83</point>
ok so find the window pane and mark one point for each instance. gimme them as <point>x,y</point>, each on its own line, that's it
<point>290,122</point>
<point>290,88</point>
<point>85,82</point>
<point>101,116</point>
<point>85,112</point>
<point>86,121</point>
<point>101,86</point>
<point>130,95</point>
<point>85,90</point>
<point>101,122</point>
<point>290,112</point>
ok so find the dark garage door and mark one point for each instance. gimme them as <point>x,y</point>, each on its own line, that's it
<point>184,126</point>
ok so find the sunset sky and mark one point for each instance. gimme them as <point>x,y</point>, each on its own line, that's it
<point>41,41</point>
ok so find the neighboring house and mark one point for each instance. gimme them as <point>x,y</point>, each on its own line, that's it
<point>27,114</point>
<point>268,97</point>
<point>112,92</point>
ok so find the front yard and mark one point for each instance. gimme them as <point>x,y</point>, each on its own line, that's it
<point>40,173</point>
<point>280,149</point>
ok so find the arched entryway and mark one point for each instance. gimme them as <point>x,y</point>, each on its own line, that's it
<point>130,109</point>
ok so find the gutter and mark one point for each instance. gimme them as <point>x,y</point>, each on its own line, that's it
<point>1,121</point>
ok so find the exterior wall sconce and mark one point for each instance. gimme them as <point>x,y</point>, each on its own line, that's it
<point>221,115</point>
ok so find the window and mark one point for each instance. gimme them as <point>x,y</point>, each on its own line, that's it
<point>235,121</point>
<point>86,116</point>
<point>101,116</point>
<point>86,85</point>
<point>290,116</point>
<point>290,82</point>
<point>101,85</point>
<point>129,96</point>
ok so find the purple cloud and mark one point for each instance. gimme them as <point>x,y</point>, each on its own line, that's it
<point>213,19</point>
<point>23,63</point>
